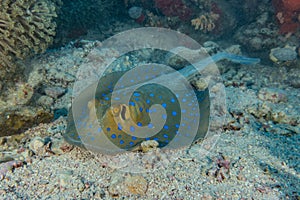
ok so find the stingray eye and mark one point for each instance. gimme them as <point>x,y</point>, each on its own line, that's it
<point>123,113</point>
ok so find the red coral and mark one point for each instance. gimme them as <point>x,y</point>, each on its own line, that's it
<point>287,14</point>
<point>292,5</point>
<point>174,8</point>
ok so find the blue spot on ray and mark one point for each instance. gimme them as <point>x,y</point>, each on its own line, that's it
<point>119,127</point>
<point>131,103</point>
<point>132,129</point>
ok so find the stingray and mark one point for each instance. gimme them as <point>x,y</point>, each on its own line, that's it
<point>102,122</point>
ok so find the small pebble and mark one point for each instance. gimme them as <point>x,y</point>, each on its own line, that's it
<point>36,144</point>
<point>136,184</point>
<point>55,92</point>
<point>149,145</point>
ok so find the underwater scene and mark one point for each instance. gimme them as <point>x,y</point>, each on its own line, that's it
<point>150,99</point>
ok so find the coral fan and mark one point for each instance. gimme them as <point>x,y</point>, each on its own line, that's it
<point>174,8</point>
<point>26,27</point>
<point>288,15</point>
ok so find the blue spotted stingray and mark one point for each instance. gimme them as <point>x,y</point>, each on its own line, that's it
<point>111,122</point>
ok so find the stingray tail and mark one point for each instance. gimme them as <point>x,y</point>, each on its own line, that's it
<point>199,66</point>
<point>235,58</point>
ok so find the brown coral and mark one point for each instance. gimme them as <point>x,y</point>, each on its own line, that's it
<point>26,27</point>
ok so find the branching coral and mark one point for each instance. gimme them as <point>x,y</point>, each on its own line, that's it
<point>205,22</point>
<point>26,27</point>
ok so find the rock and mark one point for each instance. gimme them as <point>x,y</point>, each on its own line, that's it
<point>286,54</point>
<point>58,146</point>
<point>211,47</point>
<point>149,145</point>
<point>136,185</point>
<point>68,180</point>
<point>293,77</point>
<point>256,43</point>
<point>116,188</point>
<point>135,12</point>
<point>55,92</point>
<point>178,62</point>
<point>16,119</point>
<point>65,177</point>
<point>45,101</point>
<point>234,49</point>
<point>125,186</point>
<point>36,144</point>
<point>9,166</point>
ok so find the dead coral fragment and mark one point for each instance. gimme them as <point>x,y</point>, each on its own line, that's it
<point>136,184</point>
<point>26,27</point>
<point>205,22</point>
